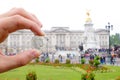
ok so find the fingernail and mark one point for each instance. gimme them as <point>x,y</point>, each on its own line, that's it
<point>40,33</point>
<point>35,53</point>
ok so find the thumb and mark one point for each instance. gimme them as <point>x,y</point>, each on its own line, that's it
<point>11,62</point>
<point>26,56</point>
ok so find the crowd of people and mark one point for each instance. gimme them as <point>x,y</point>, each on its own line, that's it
<point>104,57</point>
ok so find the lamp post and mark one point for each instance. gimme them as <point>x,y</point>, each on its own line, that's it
<point>47,39</point>
<point>108,28</point>
<point>47,47</point>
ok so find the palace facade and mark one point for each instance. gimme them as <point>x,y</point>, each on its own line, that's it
<point>59,38</point>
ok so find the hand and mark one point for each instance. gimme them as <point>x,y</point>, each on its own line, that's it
<point>11,21</point>
<point>17,19</point>
<point>21,59</point>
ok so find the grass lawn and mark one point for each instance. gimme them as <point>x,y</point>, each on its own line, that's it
<point>43,73</point>
<point>55,73</point>
<point>109,75</point>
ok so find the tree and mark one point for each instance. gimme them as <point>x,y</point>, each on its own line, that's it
<point>115,39</point>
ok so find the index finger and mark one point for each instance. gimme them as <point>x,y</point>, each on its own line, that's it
<point>23,13</point>
<point>17,22</point>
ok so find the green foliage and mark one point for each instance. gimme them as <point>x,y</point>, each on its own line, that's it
<point>83,61</point>
<point>37,60</point>
<point>67,61</point>
<point>91,62</point>
<point>57,61</point>
<point>88,76</point>
<point>67,65</point>
<point>96,63</point>
<point>97,58</point>
<point>83,76</point>
<point>47,60</point>
<point>31,76</point>
<point>102,69</point>
<point>115,39</point>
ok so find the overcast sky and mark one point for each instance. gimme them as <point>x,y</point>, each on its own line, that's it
<point>70,13</point>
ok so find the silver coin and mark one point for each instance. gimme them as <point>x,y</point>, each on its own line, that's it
<point>39,42</point>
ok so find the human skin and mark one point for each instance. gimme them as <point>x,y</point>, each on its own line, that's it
<point>11,21</point>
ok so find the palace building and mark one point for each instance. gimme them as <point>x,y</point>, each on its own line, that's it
<point>60,38</point>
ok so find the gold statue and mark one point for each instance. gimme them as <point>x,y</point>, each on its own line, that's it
<point>88,19</point>
<point>88,14</point>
